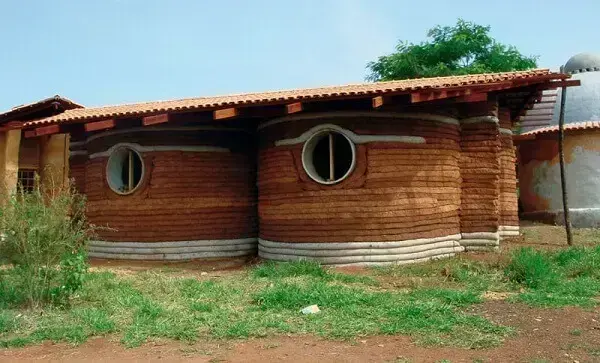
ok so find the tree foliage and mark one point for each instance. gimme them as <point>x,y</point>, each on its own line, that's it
<point>465,48</point>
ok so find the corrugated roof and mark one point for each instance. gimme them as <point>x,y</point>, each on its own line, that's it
<point>275,97</point>
<point>568,127</point>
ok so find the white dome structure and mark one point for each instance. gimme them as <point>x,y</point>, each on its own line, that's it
<point>582,62</point>
<point>583,102</point>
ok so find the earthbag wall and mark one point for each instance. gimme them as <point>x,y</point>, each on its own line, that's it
<point>480,171</point>
<point>508,199</point>
<point>196,199</point>
<point>399,204</point>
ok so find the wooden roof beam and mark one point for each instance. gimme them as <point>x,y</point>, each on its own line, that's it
<point>29,134</point>
<point>41,131</point>
<point>155,119</point>
<point>464,92</point>
<point>99,125</point>
<point>294,107</point>
<point>225,113</point>
<point>473,97</point>
<point>378,101</point>
<point>12,125</point>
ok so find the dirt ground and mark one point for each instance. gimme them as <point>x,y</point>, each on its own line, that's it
<point>541,335</point>
<point>555,335</point>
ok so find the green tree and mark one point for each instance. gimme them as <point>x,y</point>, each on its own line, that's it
<point>465,48</point>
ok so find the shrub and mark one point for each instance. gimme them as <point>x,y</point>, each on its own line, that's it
<point>43,237</point>
<point>530,268</point>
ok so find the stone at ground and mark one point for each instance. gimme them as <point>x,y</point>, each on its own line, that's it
<point>312,309</point>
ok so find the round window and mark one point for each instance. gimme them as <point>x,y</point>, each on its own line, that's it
<point>125,170</point>
<point>328,157</point>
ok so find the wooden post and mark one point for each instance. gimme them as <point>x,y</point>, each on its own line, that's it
<point>561,155</point>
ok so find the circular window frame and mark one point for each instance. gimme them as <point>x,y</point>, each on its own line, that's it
<point>113,153</point>
<point>307,156</point>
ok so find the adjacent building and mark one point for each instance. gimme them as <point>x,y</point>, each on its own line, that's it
<point>539,168</point>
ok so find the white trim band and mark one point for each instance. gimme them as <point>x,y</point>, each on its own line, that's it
<point>157,129</point>
<point>374,114</point>
<point>480,235</point>
<point>506,131</point>
<point>477,119</point>
<point>362,252</point>
<point>143,149</point>
<point>357,139</point>
<point>508,231</point>
<point>178,250</point>
<point>480,241</point>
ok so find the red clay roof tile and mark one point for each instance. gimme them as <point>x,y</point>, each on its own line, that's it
<point>255,99</point>
<point>584,125</point>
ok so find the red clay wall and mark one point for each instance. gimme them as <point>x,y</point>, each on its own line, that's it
<point>508,200</point>
<point>398,191</point>
<point>185,195</point>
<point>480,169</point>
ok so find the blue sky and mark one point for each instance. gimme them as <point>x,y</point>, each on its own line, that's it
<point>121,51</point>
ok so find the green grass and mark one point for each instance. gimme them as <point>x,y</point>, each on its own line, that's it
<point>261,301</point>
<point>569,276</point>
<point>430,302</point>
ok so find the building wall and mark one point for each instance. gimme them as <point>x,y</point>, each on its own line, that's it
<point>539,178</point>
<point>480,172</point>
<point>401,202</point>
<point>508,199</point>
<point>40,154</point>
<point>424,185</point>
<point>197,197</point>
<point>9,161</point>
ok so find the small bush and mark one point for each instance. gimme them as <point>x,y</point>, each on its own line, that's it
<point>530,268</point>
<point>43,237</point>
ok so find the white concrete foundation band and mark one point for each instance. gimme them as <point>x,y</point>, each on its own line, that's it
<point>172,251</point>
<point>362,253</point>
<point>480,241</point>
<point>508,231</point>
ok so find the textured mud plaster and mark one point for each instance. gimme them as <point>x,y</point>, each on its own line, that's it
<point>54,165</point>
<point>481,173</point>
<point>9,160</point>
<point>541,181</point>
<point>400,204</point>
<point>196,198</point>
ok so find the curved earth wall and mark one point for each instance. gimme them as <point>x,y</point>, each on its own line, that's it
<point>401,202</point>
<point>197,198</point>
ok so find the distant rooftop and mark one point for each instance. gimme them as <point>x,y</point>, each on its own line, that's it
<point>39,109</point>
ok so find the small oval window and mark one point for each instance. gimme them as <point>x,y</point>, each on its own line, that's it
<point>328,157</point>
<point>124,171</point>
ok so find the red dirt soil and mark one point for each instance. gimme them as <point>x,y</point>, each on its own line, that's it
<point>556,335</point>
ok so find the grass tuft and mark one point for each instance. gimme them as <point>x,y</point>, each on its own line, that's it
<point>530,268</point>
